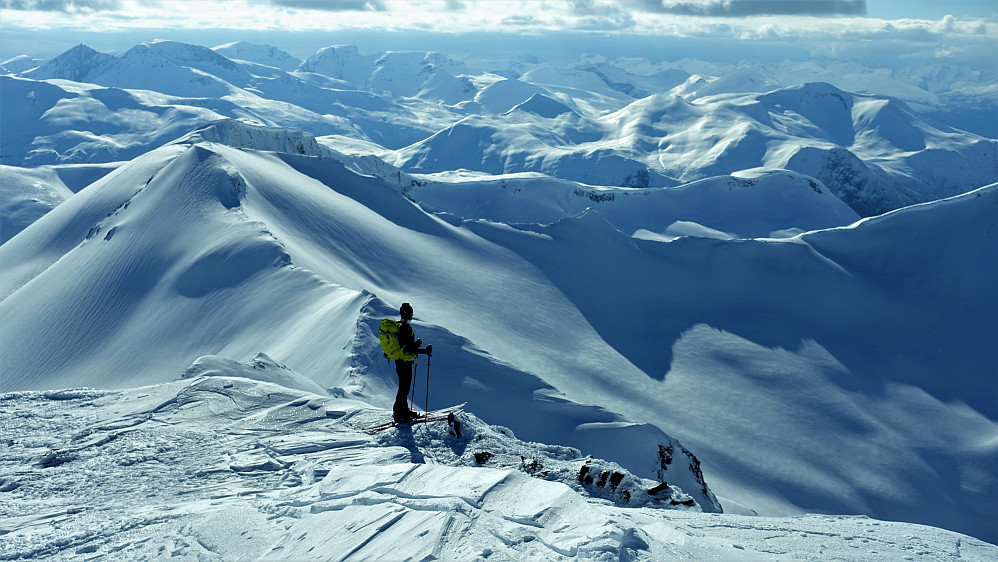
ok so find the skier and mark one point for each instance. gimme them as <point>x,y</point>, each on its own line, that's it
<point>403,367</point>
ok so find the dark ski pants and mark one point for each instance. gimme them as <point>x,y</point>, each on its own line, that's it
<point>404,371</point>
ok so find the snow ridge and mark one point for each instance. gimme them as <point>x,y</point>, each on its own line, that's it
<point>230,466</point>
<point>237,134</point>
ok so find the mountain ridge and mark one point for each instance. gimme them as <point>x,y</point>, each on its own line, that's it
<point>280,242</point>
<point>415,97</point>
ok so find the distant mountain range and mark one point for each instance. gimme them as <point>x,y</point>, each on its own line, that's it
<point>611,123</point>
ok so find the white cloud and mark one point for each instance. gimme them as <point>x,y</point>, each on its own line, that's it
<point>739,8</point>
<point>67,6</point>
<point>332,5</point>
<point>732,22</point>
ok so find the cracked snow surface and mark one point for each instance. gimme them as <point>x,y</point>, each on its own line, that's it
<point>218,468</point>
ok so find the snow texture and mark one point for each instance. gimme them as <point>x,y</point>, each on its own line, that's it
<point>229,466</point>
<point>654,276</point>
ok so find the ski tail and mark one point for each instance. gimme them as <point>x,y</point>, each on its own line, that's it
<point>435,415</point>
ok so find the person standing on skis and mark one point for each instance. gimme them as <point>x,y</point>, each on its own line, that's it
<point>403,367</point>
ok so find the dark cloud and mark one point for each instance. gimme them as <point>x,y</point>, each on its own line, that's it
<point>738,8</point>
<point>332,5</point>
<point>595,15</point>
<point>61,5</point>
<point>592,8</point>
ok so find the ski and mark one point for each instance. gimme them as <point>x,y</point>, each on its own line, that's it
<point>389,425</point>
<point>435,415</point>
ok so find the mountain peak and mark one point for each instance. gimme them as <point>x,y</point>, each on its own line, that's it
<point>261,54</point>
<point>541,105</point>
<point>182,53</point>
<point>77,64</point>
<point>811,93</point>
<point>339,61</point>
<point>238,134</point>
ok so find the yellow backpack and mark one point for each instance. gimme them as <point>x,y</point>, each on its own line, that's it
<point>388,335</point>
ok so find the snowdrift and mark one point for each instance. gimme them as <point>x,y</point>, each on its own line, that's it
<point>226,464</point>
<point>232,432</point>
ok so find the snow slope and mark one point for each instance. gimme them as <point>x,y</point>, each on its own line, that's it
<point>267,55</point>
<point>26,195</point>
<point>226,464</point>
<point>182,248</point>
<point>219,244</point>
<point>752,204</point>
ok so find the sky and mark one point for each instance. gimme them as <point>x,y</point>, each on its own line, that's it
<point>885,31</point>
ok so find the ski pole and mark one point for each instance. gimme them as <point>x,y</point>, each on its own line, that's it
<point>412,378</point>
<point>426,403</point>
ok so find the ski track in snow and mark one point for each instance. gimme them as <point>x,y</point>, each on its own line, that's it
<point>223,467</point>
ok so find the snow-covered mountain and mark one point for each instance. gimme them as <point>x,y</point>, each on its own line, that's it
<point>237,239</point>
<point>26,195</point>
<point>660,268</point>
<point>619,123</point>
<point>267,55</point>
<point>873,152</point>
<point>20,63</point>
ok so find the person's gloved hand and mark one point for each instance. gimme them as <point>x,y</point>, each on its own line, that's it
<point>429,350</point>
<point>419,343</point>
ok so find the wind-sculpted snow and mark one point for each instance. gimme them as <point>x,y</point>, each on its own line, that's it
<point>228,467</point>
<point>238,135</point>
<point>296,463</point>
<point>260,368</point>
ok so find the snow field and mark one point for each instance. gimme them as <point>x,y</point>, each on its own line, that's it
<point>190,449</point>
<point>26,195</point>
<point>225,464</point>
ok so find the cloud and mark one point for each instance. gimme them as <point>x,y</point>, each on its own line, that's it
<point>594,7</point>
<point>67,6</point>
<point>332,5</point>
<point>741,8</point>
